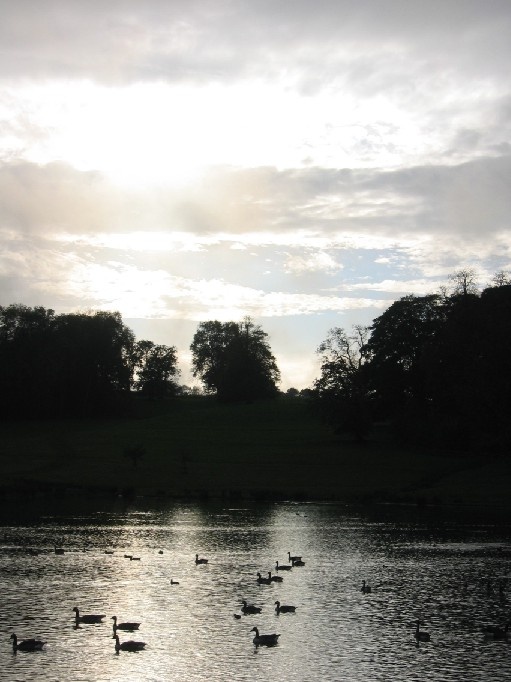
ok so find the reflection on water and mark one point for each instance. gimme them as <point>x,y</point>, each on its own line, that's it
<point>449,571</point>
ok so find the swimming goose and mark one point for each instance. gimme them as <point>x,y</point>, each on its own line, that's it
<point>130,645</point>
<point>366,589</point>
<point>263,581</point>
<point>200,561</point>
<point>283,608</point>
<point>134,558</point>
<point>421,636</point>
<point>250,608</point>
<point>88,618</point>
<point>174,582</point>
<point>26,644</point>
<point>124,626</point>
<point>283,567</point>
<point>292,559</point>
<point>275,578</point>
<point>264,640</point>
<point>58,550</point>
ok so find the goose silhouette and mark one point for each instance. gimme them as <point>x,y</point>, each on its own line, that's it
<point>292,559</point>
<point>26,644</point>
<point>283,608</point>
<point>283,567</point>
<point>124,626</point>
<point>263,581</point>
<point>366,589</point>
<point>250,608</point>
<point>87,618</point>
<point>275,578</point>
<point>130,645</point>
<point>264,640</point>
<point>200,561</point>
<point>421,636</point>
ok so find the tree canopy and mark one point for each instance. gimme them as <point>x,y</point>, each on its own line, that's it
<point>75,364</point>
<point>438,367</point>
<point>234,360</point>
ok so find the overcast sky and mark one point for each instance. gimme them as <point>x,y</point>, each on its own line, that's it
<point>304,163</point>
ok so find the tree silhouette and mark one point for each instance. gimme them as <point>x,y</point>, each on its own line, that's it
<point>234,361</point>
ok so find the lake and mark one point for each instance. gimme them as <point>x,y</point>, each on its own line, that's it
<point>446,568</point>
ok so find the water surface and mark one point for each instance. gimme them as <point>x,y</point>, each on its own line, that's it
<point>448,569</point>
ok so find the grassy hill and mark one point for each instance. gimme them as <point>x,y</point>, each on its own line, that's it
<point>195,447</point>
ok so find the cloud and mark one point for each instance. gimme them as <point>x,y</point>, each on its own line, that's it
<point>125,40</point>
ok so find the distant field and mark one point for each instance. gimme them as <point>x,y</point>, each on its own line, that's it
<point>195,447</point>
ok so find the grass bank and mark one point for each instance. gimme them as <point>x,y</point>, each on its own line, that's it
<point>195,447</point>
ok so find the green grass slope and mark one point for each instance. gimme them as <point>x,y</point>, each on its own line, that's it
<point>195,447</point>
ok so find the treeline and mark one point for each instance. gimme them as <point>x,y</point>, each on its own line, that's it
<point>90,364</point>
<point>76,364</point>
<point>435,367</point>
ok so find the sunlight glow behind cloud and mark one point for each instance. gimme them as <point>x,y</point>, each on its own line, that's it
<point>303,164</point>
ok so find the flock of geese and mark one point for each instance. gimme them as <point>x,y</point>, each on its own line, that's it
<point>130,627</point>
<point>87,619</point>
<point>27,645</point>
<point>252,609</point>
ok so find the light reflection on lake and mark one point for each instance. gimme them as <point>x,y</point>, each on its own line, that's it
<point>445,568</point>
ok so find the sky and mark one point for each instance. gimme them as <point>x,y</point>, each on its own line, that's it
<point>303,163</point>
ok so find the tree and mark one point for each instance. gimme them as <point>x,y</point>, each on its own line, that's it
<point>26,372</point>
<point>155,367</point>
<point>234,360</point>
<point>464,282</point>
<point>92,359</point>
<point>395,350</point>
<point>342,393</point>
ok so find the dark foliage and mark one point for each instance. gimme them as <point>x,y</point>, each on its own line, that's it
<point>234,361</point>
<point>437,367</point>
<point>76,364</point>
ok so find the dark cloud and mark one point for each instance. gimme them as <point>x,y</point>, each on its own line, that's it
<point>128,40</point>
<point>469,199</point>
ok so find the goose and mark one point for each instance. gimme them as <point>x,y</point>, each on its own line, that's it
<point>174,582</point>
<point>298,562</point>
<point>366,589</point>
<point>283,567</point>
<point>263,581</point>
<point>264,640</point>
<point>88,618</point>
<point>109,551</point>
<point>421,636</point>
<point>130,645</point>
<point>134,558</point>
<point>59,550</point>
<point>237,616</point>
<point>283,608</point>
<point>250,608</point>
<point>26,644</point>
<point>124,626</point>
<point>275,578</point>
<point>292,559</point>
<point>160,551</point>
<point>200,561</point>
